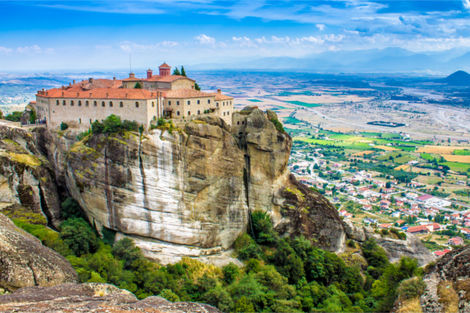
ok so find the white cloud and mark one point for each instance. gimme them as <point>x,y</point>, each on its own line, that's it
<point>5,50</point>
<point>129,46</point>
<point>466,4</point>
<point>204,39</point>
<point>320,27</point>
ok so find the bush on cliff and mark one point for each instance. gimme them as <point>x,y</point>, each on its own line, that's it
<point>79,236</point>
<point>113,124</point>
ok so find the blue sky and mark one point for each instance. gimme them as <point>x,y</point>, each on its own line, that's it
<point>85,35</point>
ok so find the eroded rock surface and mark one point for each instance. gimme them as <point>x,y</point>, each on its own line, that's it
<point>25,262</point>
<point>452,273</point>
<point>91,297</point>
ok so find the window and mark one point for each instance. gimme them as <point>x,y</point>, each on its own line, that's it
<point>208,100</point>
<point>57,102</point>
<point>178,113</point>
<point>95,103</point>
<point>198,112</point>
<point>137,104</point>
<point>111,103</point>
<point>63,102</point>
<point>238,122</point>
<point>198,101</point>
<point>169,102</point>
<point>103,104</point>
<point>86,103</point>
<point>71,102</point>
<point>79,121</point>
<point>217,104</point>
<point>79,103</point>
<point>189,113</point>
<point>177,103</point>
<point>121,104</point>
<point>153,104</point>
<point>189,102</point>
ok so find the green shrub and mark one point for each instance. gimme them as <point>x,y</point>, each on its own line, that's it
<point>70,208</point>
<point>262,228</point>
<point>79,236</point>
<point>169,295</point>
<point>231,272</point>
<point>63,126</point>
<point>14,116</point>
<point>411,288</point>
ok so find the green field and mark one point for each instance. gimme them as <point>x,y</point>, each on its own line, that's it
<point>462,152</point>
<point>457,167</point>
<point>304,104</point>
<point>292,121</point>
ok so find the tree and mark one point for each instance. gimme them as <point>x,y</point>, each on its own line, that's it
<point>176,71</point>
<point>14,116</point>
<point>63,126</point>
<point>183,72</point>
<point>138,85</point>
<point>79,236</point>
<point>32,117</point>
<point>112,124</point>
<point>1,114</point>
<point>196,86</point>
<point>70,209</point>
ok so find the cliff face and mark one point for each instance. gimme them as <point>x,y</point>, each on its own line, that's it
<point>189,192</point>
<point>26,176</point>
<point>25,262</point>
<point>448,283</point>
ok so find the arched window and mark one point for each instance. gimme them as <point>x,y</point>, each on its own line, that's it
<point>95,103</point>
<point>63,102</point>
<point>79,103</point>
<point>121,104</point>
<point>111,103</point>
<point>57,102</point>
<point>177,103</point>
<point>238,122</point>
<point>71,102</point>
<point>103,104</point>
<point>178,113</point>
<point>169,102</point>
<point>86,103</point>
<point>137,104</point>
<point>189,113</point>
<point>217,104</point>
<point>198,101</point>
<point>198,112</point>
<point>189,102</point>
<point>208,100</point>
<point>79,121</point>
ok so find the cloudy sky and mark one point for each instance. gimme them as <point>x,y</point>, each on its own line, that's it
<point>84,35</point>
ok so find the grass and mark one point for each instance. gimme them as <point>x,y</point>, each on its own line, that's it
<point>335,143</point>
<point>292,120</point>
<point>23,158</point>
<point>462,152</point>
<point>448,297</point>
<point>457,167</point>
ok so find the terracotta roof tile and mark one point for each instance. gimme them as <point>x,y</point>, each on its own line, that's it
<point>99,93</point>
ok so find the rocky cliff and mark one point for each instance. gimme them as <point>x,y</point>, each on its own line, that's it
<point>189,192</point>
<point>91,297</point>
<point>448,283</point>
<point>25,262</point>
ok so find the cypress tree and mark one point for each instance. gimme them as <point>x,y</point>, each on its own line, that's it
<point>176,71</point>
<point>183,72</point>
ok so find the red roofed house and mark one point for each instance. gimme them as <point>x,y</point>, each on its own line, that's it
<point>421,229</point>
<point>137,99</point>
<point>456,241</point>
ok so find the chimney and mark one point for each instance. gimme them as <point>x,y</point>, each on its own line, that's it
<point>149,73</point>
<point>219,91</point>
<point>74,81</point>
<point>131,75</point>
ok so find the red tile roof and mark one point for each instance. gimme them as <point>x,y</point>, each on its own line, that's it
<point>99,93</point>
<point>164,65</point>
<point>417,229</point>
<point>221,97</point>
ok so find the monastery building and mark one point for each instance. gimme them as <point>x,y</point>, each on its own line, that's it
<point>143,100</point>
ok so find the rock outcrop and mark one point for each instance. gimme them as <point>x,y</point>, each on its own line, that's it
<point>91,297</point>
<point>189,192</point>
<point>25,262</point>
<point>26,176</point>
<point>448,283</point>
<point>411,247</point>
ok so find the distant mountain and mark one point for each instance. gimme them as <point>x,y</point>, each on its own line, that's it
<point>389,60</point>
<point>459,78</point>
